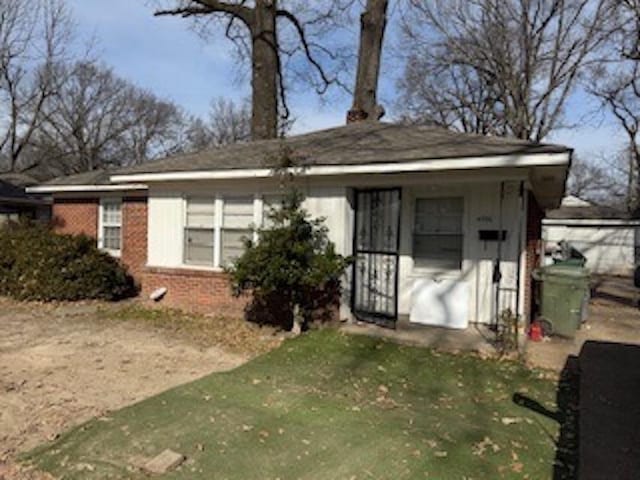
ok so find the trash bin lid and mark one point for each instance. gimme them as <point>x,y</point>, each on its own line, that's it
<point>565,271</point>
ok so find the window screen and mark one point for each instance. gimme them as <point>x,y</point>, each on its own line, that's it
<point>111,224</point>
<point>437,235</point>
<point>199,231</point>
<point>237,218</point>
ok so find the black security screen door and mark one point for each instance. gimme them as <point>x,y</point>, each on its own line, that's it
<point>376,243</point>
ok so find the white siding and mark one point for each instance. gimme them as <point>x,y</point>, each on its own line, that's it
<point>482,212</point>
<point>335,203</point>
<point>166,218</point>
<point>609,249</point>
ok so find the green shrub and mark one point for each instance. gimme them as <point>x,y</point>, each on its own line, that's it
<point>293,271</point>
<point>38,264</point>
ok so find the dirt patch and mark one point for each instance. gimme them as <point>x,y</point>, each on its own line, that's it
<point>62,365</point>
<point>613,317</point>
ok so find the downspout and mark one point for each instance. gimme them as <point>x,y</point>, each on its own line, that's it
<point>519,269</point>
<point>497,274</point>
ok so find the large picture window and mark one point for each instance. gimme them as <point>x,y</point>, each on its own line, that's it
<point>237,218</point>
<point>199,231</point>
<point>110,237</point>
<point>437,234</point>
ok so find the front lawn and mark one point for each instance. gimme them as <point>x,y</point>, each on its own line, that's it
<point>329,406</point>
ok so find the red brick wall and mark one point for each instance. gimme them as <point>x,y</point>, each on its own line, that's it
<point>533,249</point>
<point>134,235</point>
<point>76,216</point>
<point>198,290</point>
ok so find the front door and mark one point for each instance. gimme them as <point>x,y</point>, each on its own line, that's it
<point>376,245</point>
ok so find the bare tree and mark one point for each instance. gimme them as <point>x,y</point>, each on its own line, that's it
<point>617,84</point>
<point>373,22</point>
<point>228,122</point>
<point>255,28</point>
<point>601,180</point>
<point>502,67</point>
<point>100,120</point>
<point>33,42</point>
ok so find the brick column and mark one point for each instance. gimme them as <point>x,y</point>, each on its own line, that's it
<point>535,214</point>
<point>134,235</point>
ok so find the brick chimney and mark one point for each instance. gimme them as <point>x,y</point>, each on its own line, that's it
<point>356,115</point>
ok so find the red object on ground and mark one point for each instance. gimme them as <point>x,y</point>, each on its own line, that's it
<point>535,332</point>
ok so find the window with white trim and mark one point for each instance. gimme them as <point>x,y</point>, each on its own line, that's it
<point>437,234</point>
<point>199,231</point>
<point>110,237</point>
<point>237,218</point>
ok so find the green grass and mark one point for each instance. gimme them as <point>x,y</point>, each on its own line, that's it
<point>328,406</point>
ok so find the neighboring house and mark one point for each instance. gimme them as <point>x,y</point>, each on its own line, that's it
<point>606,236</point>
<point>430,216</point>
<point>15,203</point>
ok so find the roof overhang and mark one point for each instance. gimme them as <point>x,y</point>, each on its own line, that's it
<point>25,201</point>
<point>591,222</point>
<point>428,165</point>
<point>84,188</point>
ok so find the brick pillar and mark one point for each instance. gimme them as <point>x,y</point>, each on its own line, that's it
<point>134,235</point>
<point>535,214</point>
<point>76,216</point>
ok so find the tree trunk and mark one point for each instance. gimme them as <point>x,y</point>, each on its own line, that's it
<point>634,179</point>
<point>372,25</point>
<point>264,116</point>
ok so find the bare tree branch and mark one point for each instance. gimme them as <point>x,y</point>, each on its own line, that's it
<point>505,68</point>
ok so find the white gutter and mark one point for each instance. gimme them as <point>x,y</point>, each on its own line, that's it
<point>534,160</point>
<point>84,188</point>
<point>590,222</point>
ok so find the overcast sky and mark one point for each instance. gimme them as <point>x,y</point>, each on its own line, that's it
<point>165,56</point>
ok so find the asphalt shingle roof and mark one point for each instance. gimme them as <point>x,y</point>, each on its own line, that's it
<point>358,143</point>
<point>354,144</point>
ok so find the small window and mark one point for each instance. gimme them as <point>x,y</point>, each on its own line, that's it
<point>437,235</point>
<point>111,225</point>
<point>237,218</point>
<point>199,231</point>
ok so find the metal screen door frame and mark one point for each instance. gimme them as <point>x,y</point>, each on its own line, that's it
<point>376,247</point>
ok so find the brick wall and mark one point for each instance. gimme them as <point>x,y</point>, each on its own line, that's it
<point>198,290</point>
<point>76,216</point>
<point>134,235</point>
<point>533,249</point>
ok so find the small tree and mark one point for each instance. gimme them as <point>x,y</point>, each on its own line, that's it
<point>293,260</point>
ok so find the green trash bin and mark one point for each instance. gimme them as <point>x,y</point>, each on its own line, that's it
<point>563,297</point>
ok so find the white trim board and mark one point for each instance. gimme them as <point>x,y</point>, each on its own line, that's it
<point>590,222</point>
<point>84,188</point>
<point>504,161</point>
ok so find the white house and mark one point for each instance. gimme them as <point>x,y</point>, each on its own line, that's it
<point>444,226</point>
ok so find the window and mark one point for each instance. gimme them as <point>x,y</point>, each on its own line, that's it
<point>237,218</point>
<point>199,231</point>
<point>437,235</point>
<point>110,225</point>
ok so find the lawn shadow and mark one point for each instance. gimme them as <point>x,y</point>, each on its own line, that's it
<point>567,415</point>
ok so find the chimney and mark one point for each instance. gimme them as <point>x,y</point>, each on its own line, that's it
<point>356,115</point>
